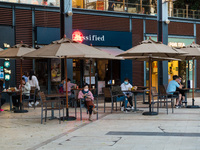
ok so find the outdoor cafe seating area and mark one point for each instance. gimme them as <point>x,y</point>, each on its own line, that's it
<point>66,103</point>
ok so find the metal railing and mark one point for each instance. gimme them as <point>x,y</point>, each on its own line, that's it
<point>116,5</point>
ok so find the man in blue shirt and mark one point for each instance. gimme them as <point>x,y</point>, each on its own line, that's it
<point>172,88</point>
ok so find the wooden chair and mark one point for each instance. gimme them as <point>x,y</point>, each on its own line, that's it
<point>32,96</point>
<point>110,98</point>
<point>155,97</point>
<point>166,98</point>
<point>45,108</point>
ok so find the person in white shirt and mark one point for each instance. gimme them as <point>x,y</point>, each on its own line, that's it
<point>126,86</point>
<point>33,81</point>
<point>25,91</point>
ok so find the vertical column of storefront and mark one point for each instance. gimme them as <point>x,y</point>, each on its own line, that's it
<point>195,62</point>
<point>33,33</point>
<point>162,37</point>
<point>66,28</point>
<point>144,38</point>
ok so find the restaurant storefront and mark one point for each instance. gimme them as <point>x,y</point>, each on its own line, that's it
<point>180,68</point>
<point>102,70</point>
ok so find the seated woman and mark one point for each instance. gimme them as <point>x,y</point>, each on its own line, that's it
<point>88,98</point>
<point>26,88</point>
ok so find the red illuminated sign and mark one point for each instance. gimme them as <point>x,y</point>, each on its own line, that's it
<point>77,36</point>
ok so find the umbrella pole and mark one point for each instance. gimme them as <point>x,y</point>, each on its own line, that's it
<point>67,111</point>
<point>90,74</point>
<point>193,84</point>
<point>67,117</point>
<point>150,84</point>
<point>193,106</point>
<point>21,110</point>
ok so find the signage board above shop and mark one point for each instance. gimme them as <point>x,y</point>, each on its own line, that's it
<point>102,38</point>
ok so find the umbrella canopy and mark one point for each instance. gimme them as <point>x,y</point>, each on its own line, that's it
<point>192,52</point>
<point>17,51</point>
<point>153,48</point>
<point>111,50</point>
<point>153,58</point>
<point>67,48</point>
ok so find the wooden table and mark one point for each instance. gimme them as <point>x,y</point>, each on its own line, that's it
<point>144,93</point>
<point>186,90</point>
<point>135,93</point>
<point>10,94</point>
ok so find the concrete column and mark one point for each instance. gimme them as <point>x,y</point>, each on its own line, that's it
<point>66,28</point>
<point>162,12</point>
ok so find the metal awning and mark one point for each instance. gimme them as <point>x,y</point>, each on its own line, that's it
<point>111,50</point>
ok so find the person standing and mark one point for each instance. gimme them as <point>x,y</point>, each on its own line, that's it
<point>126,86</point>
<point>171,89</point>
<point>33,81</point>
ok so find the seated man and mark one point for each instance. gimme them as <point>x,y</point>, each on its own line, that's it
<point>126,86</point>
<point>171,89</point>
<point>26,88</point>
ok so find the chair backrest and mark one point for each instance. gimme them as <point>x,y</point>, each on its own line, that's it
<point>33,90</point>
<point>42,96</point>
<point>154,91</point>
<point>76,94</point>
<point>107,92</point>
<point>162,90</point>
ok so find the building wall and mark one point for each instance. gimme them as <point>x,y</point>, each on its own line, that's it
<point>138,66</point>
<point>198,61</point>
<point>30,17</point>
<point>97,22</point>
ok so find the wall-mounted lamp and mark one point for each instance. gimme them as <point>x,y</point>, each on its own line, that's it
<point>69,13</point>
<point>167,21</point>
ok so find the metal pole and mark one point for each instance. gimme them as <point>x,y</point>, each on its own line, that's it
<point>90,74</point>
<point>150,82</point>
<point>193,83</point>
<point>67,111</point>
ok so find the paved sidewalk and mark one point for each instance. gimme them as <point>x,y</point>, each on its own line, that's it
<point>131,131</point>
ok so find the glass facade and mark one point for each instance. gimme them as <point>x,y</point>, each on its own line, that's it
<point>180,68</point>
<point>148,7</point>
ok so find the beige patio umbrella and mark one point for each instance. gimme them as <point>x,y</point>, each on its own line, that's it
<point>150,50</point>
<point>16,52</point>
<point>67,48</point>
<point>193,52</point>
